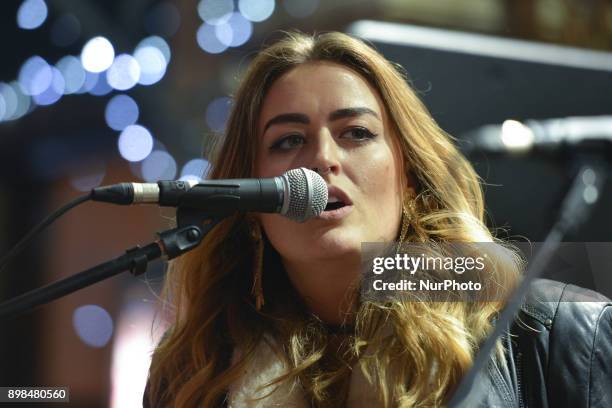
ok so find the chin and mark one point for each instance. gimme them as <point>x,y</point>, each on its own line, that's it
<point>337,242</point>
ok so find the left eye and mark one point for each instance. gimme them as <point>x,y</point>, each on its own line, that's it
<point>359,133</point>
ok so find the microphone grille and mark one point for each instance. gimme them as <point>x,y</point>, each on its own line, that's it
<point>307,194</point>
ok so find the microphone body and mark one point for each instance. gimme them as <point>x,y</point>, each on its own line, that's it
<point>259,195</point>
<point>299,194</point>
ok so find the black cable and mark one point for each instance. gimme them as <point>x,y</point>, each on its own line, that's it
<point>36,230</point>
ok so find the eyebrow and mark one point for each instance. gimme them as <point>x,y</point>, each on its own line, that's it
<point>335,115</point>
<point>351,112</point>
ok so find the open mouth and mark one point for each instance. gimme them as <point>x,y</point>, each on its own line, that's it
<point>334,205</point>
<point>339,205</point>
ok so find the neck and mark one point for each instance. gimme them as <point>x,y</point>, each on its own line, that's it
<point>327,286</point>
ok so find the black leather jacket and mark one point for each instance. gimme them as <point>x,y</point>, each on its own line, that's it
<point>559,353</point>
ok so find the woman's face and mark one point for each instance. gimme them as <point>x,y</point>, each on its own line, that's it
<point>323,115</point>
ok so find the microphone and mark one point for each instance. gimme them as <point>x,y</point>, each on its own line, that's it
<point>299,194</point>
<point>546,135</point>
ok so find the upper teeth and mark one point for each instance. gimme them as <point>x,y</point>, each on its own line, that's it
<point>332,200</point>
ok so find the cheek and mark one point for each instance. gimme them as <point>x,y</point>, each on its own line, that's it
<point>281,234</point>
<point>262,167</point>
<point>381,190</point>
<point>270,223</point>
<point>380,173</point>
<point>266,166</point>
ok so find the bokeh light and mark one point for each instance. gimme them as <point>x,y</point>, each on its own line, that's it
<point>24,102</point>
<point>224,34</point>
<point>235,32</point>
<point>516,136</point>
<point>89,175</point>
<point>152,64</point>
<point>159,43</point>
<point>91,79</point>
<point>35,75</point>
<point>135,143</point>
<point>124,73</point>
<point>121,112</point>
<point>73,73</point>
<point>147,53</point>
<point>163,19</point>
<point>136,167</point>
<point>9,98</point>
<point>93,325</point>
<point>208,41</point>
<point>242,29</point>
<point>215,12</point>
<point>300,8</point>
<point>195,169</point>
<point>31,14</point>
<point>132,345</point>
<point>256,10</point>
<point>65,30</point>
<point>98,54</point>
<point>101,87</point>
<point>159,165</point>
<point>217,113</point>
<point>2,108</point>
<point>54,91</point>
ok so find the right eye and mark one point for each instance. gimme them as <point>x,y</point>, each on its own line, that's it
<point>288,142</point>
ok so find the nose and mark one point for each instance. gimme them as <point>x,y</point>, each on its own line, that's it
<point>325,158</point>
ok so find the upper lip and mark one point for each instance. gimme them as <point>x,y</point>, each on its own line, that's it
<point>336,192</point>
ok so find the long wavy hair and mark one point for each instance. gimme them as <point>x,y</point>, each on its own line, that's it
<point>416,351</point>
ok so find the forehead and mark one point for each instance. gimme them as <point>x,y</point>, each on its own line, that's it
<point>319,88</point>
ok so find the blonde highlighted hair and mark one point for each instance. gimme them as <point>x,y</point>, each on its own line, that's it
<point>413,353</point>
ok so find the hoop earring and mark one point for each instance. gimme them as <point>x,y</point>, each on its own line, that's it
<point>257,289</point>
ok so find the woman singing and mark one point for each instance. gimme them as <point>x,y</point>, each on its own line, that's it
<point>267,311</point>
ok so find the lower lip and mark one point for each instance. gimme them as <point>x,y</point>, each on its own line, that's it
<point>336,214</point>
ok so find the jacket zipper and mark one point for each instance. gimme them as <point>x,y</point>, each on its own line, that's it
<point>519,379</point>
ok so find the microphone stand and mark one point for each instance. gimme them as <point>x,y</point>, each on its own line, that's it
<point>575,209</point>
<point>191,228</point>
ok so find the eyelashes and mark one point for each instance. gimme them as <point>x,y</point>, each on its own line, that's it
<point>363,133</point>
<point>357,134</point>
<point>288,142</point>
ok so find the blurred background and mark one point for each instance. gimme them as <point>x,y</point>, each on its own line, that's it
<point>99,92</point>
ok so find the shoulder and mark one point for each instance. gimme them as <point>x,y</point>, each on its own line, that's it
<point>563,308</point>
<point>571,328</point>
<point>564,305</point>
